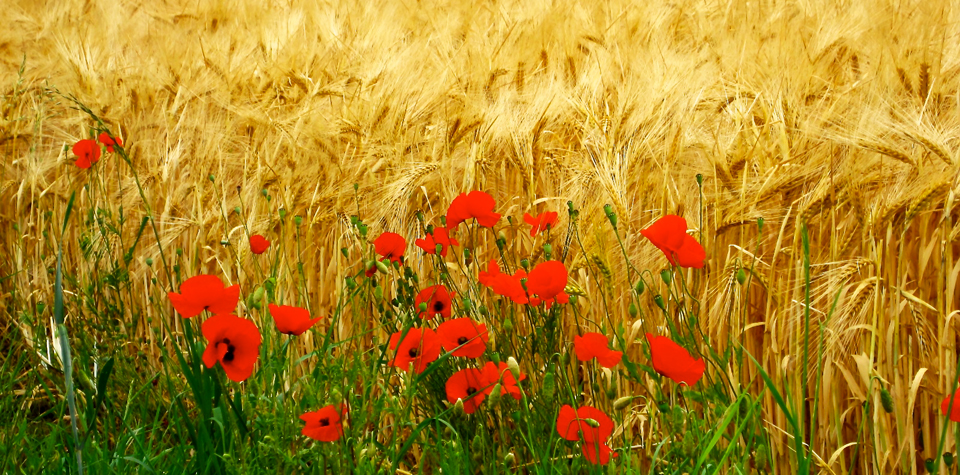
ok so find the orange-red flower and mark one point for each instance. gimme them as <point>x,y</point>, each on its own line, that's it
<point>419,347</point>
<point>547,281</point>
<point>258,244</point>
<point>500,373</point>
<point>437,299</point>
<point>204,292</point>
<point>954,412</point>
<point>463,337</point>
<point>234,342</point>
<point>547,220</point>
<point>438,236</point>
<point>475,204</point>
<point>669,234</point>
<point>291,320</point>
<point>467,384</point>
<point>391,246</point>
<point>590,425</point>
<point>502,284</point>
<point>324,425</point>
<point>674,362</point>
<point>487,277</point>
<point>109,142</point>
<point>594,345</point>
<point>87,152</point>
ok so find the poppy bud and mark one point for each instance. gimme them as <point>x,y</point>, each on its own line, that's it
<point>363,229</point>
<point>263,192</point>
<point>759,224</point>
<point>699,179</point>
<point>741,276</point>
<point>514,367</point>
<point>639,287</point>
<point>570,208</point>
<point>439,249</point>
<point>354,220</point>
<point>608,210</point>
<point>611,391</point>
<point>356,186</point>
<point>40,307</point>
<point>466,256</point>
<point>762,458</point>
<point>547,250</point>
<point>509,459</point>
<point>210,177</point>
<point>458,407</point>
<point>591,422</point>
<point>573,299</point>
<point>283,213</point>
<point>632,310</point>
<point>623,402</point>
<point>345,252</point>
<point>298,220</point>
<point>507,325</point>
<point>351,284</point>
<point>382,267</point>
<point>525,264</point>
<point>657,299</point>
<point>928,464</point>
<point>237,210</point>
<point>494,398</point>
<point>549,385</point>
<point>495,357</point>
<point>420,216</point>
<point>149,261</point>
<point>179,251</point>
<point>336,397</point>
<point>886,400</point>
<point>665,275</point>
<point>948,458</point>
<point>378,292</point>
<point>423,307</point>
<point>256,298</point>
<point>483,310</point>
<point>467,304</point>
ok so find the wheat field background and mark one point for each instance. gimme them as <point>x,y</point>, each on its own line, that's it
<point>839,114</point>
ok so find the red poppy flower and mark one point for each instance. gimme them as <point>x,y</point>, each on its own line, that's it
<point>463,337</point>
<point>467,384</point>
<point>391,246</point>
<point>475,204</point>
<point>258,244</point>
<point>505,285</point>
<point>594,345</point>
<point>105,139</point>
<point>291,320</point>
<point>204,292</point>
<point>437,299</point>
<point>323,425</point>
<point>955,411</point>
<point>234,342</point>
<point>590,425</point>
<point>547,220</point>
<point>547,281</point>
<point>420,347</point>
<point>87,152</point>
<point>487,277</point>
<point>674,362</point>
<point>669,234</point>
<point>439,236</point>
<point>495,373</point>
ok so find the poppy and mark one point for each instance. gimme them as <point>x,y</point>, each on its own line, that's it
<point>669,234</point>
<point>594,345</point>
<point>431,240</point>
<point>589,425</point>
<point>547,220</point>
<point>477,205</point>
<point>234,342</point>
<point>109,141</point>
<point>204,292</point>
<point>391,246</point>
<point>291,320</point>
<point>463,337</point>
<point>87,152</point>
<point>467,384</point>
<point>323,425</point>
<point>675,362</point>
<point>547,281</point>
<point>493,271</point>
<point>258,244</point>
<point>500,373</point>
<point>955,411</point>
<point>504,285</point>
<point>437,299</point>
<point>420,347</point>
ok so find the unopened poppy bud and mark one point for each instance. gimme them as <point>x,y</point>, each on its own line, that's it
<point>525,264</point>
<point>179,251</point>
<point>494,398</point>
<point>547,250</point>
<point>423,307</point>
<point>458,407</point>
<point>699,179</point>
<point>549,385</point>
<point>666,276</point>
<point>507,325</point>
<point>467,304</point>
<point>483,310</point>
<point>573,299</point>
<point>351,284</point>
<point>509,459</point>
<point>378,292</point>
<point>363,229</point>
<point>283,213</point>
<point>608,210</point>
<point>345,252</point>
<point>639,287</point>
<point>632,310</point>
<point>928,464</point>
<point>591,422</point>
<point>760,224</point>
<point>356,186</point>
<point>623,402</point>
<point>257,297</point>
<point>495,357</point>
<point>762,457</point>
<point>611,391</point>
<point>741,276</point>
<point>237,210</point>
<point>439,249</point>
<point>948,458</point>
<point>420,216</point>
<point>382,267</point>
<point>298,220</point>
<point>514,367</point>
<point>466,254</point>
<point>211,177</point>
<point>354,220</point>
<point>657,299</point>
<point>886,400</point>
<point>149,261</point>
<point>263,192</point>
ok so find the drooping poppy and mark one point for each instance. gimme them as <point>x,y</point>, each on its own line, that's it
<point>594,345</point>
<point>547,281</point>
<point>500,373</point>
<point>258,244</point>
<point>87,152</point>
<point>467,384</point>
<point>954,412</point>
<point>463,337</point>
<point>419,347</point>
<point>234,342</point>
<point>291,320</point>
<point>391,246</point>
<point>669,234</point>
<point>438,236</point>
<point>475,204</point>
<point>324,425</point>
<point>542,221</point>
<point>204,292</point>
<point>675,362</point>
<point>109,142</point>
<point>590,425</point>
<point>437,298</point>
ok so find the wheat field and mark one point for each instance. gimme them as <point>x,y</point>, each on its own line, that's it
<point>839,116</point>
